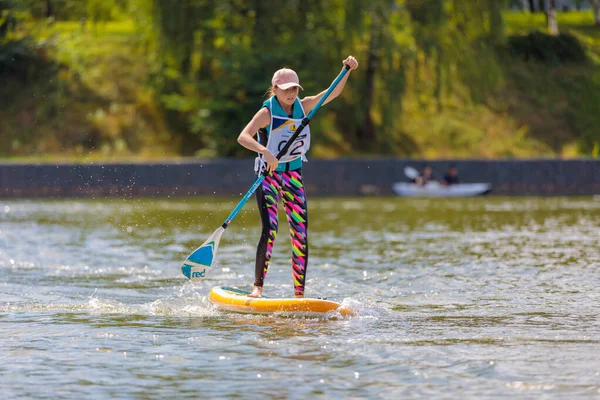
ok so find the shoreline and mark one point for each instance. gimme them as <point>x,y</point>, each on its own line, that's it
<point>335,177</point>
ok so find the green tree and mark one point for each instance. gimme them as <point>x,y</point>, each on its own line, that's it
<point>216,58</point>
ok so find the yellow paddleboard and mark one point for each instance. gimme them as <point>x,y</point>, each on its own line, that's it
<point>237,300</point>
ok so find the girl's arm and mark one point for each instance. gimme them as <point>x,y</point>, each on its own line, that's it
<point>246,138</point>
<point>309,102</point>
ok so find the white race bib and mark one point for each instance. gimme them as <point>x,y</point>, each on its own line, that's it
<point>282,130</point>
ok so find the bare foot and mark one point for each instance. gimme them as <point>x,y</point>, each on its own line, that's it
<point>256,291</point>
<point>299,296</point>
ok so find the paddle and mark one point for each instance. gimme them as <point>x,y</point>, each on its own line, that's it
<point>411,173</point>
<point>197,265</point>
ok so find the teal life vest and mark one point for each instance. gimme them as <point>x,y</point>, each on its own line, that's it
<point>279,130</point>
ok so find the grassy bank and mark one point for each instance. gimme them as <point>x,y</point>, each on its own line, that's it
<point>536,110</point>
<point>97,102</point>
<point>94,102</point>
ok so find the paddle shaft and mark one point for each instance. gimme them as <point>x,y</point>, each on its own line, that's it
<point>285,148</point>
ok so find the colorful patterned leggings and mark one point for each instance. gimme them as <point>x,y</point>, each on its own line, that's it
<point>287,185</point>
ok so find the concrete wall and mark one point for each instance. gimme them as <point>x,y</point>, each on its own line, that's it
<point>340,177</point>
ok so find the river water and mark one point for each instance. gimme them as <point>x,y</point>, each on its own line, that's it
<point>474,298</point>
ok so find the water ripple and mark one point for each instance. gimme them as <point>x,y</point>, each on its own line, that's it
<point>476,298</point>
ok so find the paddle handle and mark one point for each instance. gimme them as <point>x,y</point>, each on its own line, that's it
<point>285,148</point>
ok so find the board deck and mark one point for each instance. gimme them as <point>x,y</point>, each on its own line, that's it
<point>232,299</point>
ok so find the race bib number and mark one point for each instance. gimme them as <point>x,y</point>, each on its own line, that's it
<point>295,150</point>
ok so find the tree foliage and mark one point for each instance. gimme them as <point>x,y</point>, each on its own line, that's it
<point>212,60</point>
<point>238,43</point>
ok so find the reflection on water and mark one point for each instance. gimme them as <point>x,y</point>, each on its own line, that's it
<point>476,297</point>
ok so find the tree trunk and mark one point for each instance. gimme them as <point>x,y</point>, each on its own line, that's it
<point>531,6</point>
<point>207,43</point>
<point>366,136</point>
<point>439,70</point>
<point>496,21</point>
<point>551,17</point>
<point>188,26</point>
<point>49,9</point>
<point>596,7</point>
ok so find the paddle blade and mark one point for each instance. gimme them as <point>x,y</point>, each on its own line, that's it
<point>197,265</point>
<point>411,173</point>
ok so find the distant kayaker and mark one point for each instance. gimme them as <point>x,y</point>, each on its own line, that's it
<point>426,177</point>
<point>451,177</point>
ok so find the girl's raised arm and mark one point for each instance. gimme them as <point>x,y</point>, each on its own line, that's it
<point>309,102</point>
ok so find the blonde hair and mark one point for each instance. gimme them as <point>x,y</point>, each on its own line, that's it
<point>270,92</point>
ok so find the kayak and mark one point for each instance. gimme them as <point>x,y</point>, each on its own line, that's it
<point>232,299</point>
<point>434,189</point>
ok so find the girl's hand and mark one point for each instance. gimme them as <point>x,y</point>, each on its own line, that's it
<point>271,160</point>
<point>351,62</point>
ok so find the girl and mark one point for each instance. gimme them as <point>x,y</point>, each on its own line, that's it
<point>276,121</point>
